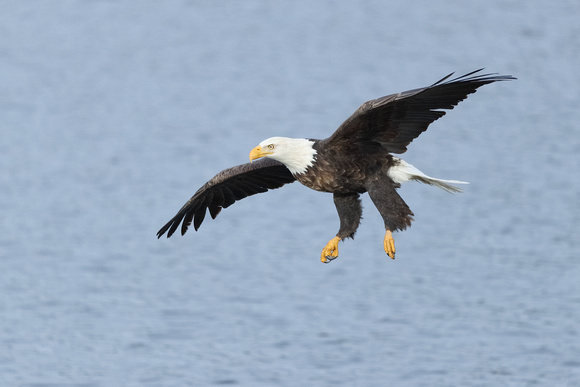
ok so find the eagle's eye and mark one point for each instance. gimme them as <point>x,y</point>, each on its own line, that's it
<point>271,146</point>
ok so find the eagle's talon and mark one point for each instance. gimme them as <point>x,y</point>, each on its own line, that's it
<point>329,258</point>
<point>330,251</point>
<point>389,244</point>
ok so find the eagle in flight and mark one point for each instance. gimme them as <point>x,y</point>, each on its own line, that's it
<point>356,158</point>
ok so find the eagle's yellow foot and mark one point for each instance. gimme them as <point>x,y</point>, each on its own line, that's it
<point>389,244</point>
<point>330,251</point>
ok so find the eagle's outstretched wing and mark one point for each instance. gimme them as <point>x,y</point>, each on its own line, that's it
<point>395,120</point>
<point>225,188</point>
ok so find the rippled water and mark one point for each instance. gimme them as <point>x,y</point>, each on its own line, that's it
<point>114,113</point>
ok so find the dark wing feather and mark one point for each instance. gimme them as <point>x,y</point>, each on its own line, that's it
<point>225,188</point>
<point>395,120</point>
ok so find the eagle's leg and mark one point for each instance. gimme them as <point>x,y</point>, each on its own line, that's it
<point>389,244</point>
<point>350,212</point>
<point>395,212</point>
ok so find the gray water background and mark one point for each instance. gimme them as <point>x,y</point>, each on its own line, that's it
<point>113,113</point>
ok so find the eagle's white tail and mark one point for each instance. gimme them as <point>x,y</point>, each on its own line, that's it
<point>403,171</point>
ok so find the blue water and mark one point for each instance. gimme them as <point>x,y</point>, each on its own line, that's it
<point>113,113</point>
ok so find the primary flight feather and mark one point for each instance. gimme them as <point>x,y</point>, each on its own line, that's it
<point>355,159</point>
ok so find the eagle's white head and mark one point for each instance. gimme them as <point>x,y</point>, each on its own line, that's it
<point>297,154</point>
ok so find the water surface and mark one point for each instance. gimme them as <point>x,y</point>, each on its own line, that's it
<point>114,113</point>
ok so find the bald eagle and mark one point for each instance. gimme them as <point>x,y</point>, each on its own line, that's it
<point>355,159</point>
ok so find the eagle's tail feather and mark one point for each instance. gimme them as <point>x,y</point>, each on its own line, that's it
<point>444,184</point>
<point>403,171</point>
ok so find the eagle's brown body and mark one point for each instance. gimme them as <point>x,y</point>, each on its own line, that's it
<point>330,173</point>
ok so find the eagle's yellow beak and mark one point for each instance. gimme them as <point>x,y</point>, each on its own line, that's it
<point>257,152</point>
